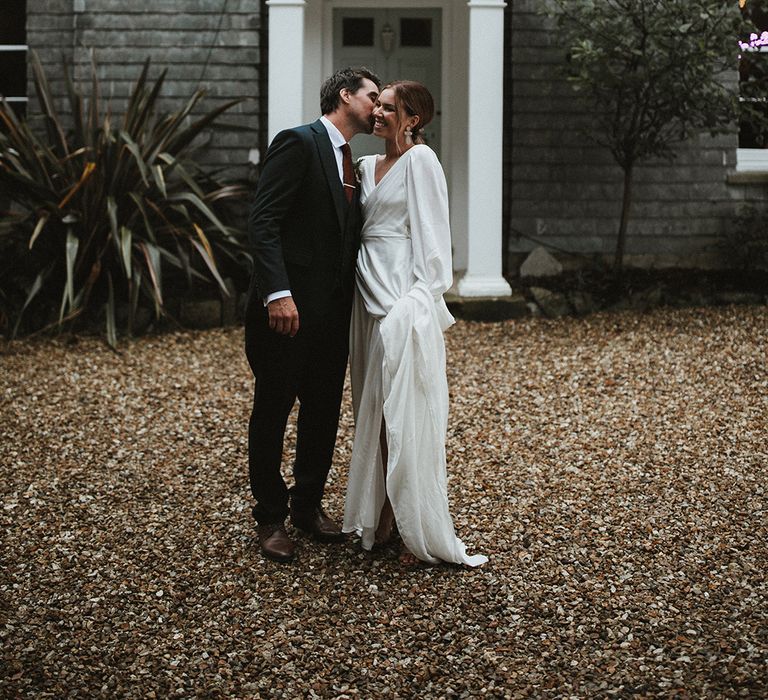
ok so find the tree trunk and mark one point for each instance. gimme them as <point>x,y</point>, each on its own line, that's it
<point>626,202</point>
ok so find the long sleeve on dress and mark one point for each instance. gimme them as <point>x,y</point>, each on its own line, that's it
<point>427,198</point>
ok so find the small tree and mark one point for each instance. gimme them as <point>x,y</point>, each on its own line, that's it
<point>658,73</point>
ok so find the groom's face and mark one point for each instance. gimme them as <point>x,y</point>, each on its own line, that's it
<point>360,106</point>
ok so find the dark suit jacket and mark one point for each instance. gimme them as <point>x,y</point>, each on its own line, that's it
<point>303,234</point>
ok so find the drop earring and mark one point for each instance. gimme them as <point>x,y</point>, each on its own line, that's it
<point>408,136</point>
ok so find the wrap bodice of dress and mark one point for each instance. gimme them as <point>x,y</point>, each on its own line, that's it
<point>406,240</point>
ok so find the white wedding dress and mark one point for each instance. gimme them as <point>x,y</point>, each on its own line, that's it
<point>397,358</point>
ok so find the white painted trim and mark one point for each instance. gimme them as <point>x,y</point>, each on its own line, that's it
<point>285,106</point>
<point>750,160</point>
<point>483,277</point>
<point>488,286</point>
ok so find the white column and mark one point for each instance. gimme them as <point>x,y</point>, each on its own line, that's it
<point>484,159</point>
<point>286,65</point>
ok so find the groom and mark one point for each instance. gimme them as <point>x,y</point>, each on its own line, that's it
<point>304,232</point>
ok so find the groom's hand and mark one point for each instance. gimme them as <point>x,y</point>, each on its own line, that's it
<point>283,316</point>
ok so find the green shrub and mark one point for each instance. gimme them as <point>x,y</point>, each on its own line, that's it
<point>104,212</point>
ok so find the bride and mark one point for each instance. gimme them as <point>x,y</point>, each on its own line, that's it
<point>397,474</point>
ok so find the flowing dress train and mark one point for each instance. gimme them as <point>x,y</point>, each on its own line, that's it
<point>397,358</point>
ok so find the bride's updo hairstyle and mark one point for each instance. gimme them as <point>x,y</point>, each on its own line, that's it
<point>417,101</point>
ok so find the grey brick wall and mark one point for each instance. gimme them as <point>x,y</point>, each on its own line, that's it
<point>566,192</point>
<point>197,44</point>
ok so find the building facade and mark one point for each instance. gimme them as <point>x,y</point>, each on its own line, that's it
<point>507,128</point>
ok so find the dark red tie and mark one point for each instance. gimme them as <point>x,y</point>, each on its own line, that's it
<point>349,172</point>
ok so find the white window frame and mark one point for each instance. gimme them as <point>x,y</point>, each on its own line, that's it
<point>751,160</point>
<point>24,99</point>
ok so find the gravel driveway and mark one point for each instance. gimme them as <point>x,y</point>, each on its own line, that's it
<point>613,468</point>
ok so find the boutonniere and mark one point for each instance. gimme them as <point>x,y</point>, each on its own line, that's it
<point>356,168</point>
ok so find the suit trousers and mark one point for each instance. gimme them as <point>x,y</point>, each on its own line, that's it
<point>309,367</point>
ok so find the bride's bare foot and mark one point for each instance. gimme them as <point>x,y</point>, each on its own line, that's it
<point>407,558</point>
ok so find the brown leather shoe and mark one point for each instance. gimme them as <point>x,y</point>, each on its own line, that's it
<point>275,543</point>
<point>317,524</point>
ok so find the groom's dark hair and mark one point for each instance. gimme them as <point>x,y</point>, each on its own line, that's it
<point>346,78</point>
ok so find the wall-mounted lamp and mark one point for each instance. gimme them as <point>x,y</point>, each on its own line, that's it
<point>387,38</point>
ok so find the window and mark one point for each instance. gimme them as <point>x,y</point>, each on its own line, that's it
<point>13,54</point>
<point>415,32</point>
<point>357,31</point>
<point>753,87</point>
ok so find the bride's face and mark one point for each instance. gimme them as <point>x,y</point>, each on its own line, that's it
<point>388,123</point>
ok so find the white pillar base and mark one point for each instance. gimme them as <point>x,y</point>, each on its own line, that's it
<point>483,286</point>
